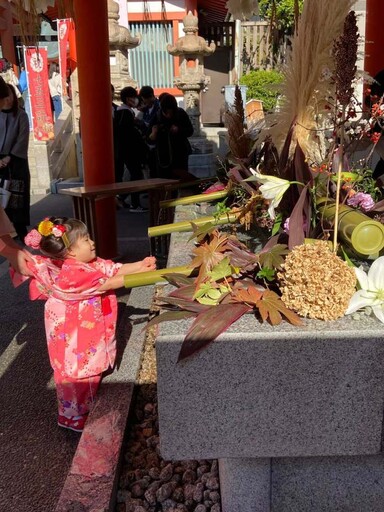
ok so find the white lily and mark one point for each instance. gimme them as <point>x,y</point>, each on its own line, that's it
<point>272,189</point>
<point>371,291</point>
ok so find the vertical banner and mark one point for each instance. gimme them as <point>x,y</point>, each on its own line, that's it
<point>36,64</point>
<point>63,29</point>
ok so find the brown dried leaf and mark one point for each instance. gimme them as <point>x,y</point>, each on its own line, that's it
<point>272,308</point>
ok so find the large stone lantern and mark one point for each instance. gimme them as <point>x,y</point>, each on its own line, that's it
<point>192,48</point>
<point>120,41</point>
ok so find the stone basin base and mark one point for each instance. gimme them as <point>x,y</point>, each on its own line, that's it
<point>312,484</point>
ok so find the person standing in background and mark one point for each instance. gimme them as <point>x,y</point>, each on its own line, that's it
<point>169,131</point>
<point>55,89</point>
<point>130,147</point>
<point>9,76</point>
<point>150,107</point>
<point>9,249</point>
<point>14,141</point>
<point>23,88</point>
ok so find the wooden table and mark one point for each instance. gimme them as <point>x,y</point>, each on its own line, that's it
<point>84,198</point>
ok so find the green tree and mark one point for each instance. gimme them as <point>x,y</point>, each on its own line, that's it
<point>285,13</point>
<point>263,85</point>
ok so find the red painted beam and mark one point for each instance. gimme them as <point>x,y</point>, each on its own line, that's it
<point>374,37</point>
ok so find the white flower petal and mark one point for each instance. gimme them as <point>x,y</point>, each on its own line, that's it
<point>379,312</point>
<point>272,190</point>
<point>362,278</point>
<point>376,274</point>
<point>271,210</point>
<point>359,300</point>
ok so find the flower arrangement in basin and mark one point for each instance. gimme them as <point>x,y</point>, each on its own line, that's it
<point>299,179</point>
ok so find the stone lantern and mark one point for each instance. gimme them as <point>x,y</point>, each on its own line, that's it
<point>120,41</point>
<point>192,80</point>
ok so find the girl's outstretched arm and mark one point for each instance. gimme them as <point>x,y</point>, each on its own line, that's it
<point>117,281</point>
<point>144,265</point>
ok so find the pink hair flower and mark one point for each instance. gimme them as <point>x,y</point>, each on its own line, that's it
<point>33,239</point>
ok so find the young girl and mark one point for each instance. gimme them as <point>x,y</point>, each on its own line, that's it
<point>80,312</point>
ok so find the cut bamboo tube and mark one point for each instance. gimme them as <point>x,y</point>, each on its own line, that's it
<point>199,198</point>
<point>186,225</point>
<point>154,276</point>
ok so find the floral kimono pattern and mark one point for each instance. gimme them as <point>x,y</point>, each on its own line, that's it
<point>80,321</point>
<point>80,324</point>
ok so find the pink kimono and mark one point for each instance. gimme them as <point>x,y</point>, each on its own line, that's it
<point>80,324</point>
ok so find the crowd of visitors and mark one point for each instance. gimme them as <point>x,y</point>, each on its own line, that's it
<point>150,134</point>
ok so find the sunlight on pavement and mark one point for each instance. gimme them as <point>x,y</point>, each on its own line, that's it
<point>11,352</point>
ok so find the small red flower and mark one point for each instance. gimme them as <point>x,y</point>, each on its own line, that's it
<point>375,137</point>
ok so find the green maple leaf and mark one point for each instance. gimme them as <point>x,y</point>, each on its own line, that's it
<point>274,257</point>
<point>200,232</point>
<point>267,273</point>
<point>221,270</point>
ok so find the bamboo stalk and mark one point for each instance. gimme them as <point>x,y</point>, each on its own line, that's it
<point>338,183</point>
<point>199,198</point>
<point>186,225</point>
<point>154,276</point>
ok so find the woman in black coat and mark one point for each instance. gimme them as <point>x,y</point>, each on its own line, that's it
<point>14,140</point>
<point>170,131</point>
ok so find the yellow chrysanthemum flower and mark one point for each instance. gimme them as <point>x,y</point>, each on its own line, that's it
<point>45,227</point>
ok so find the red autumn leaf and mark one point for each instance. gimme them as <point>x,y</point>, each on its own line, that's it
<point>272,308</point>
<point>170,316</point>
<point>250,295</point>
<point>208,325</point>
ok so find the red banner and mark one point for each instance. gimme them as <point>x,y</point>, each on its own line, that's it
<point>36,65</point>
<point>63,29</point>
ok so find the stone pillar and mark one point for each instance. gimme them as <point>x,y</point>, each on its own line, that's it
<point>120,41</point>
<point>192,48</point>
<point>374,37</point>
<point>96,120</point>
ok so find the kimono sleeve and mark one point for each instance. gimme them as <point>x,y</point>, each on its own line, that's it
<point>108,267</point>
<point>82,281</point>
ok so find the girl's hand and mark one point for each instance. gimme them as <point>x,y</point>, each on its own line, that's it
<point>148,263</point>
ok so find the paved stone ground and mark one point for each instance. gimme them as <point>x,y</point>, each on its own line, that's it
<point>35,453</point>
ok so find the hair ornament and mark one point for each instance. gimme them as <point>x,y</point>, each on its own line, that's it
<point>33,239</point>
<point>47,228</point>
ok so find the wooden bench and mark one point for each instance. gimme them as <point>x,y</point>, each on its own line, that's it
<point>85,198</point>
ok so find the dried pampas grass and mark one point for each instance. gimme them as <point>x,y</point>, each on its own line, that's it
<point>308,72</point>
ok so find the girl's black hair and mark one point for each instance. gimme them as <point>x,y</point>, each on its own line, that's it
<point>53,246</point>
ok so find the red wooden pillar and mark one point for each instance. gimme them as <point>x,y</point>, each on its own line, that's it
<point>6,32</point>
<point>374,37</point>
<point>95,113</point>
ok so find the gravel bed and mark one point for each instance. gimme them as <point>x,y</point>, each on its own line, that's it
<point>149,483</point>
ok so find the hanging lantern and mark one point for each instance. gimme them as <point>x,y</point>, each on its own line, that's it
<point>242,9</point>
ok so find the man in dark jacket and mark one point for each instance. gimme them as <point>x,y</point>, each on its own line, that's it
<point>130,147</point>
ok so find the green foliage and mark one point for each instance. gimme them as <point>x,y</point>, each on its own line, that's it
<point>263,85</point>
<point>285,13</point>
